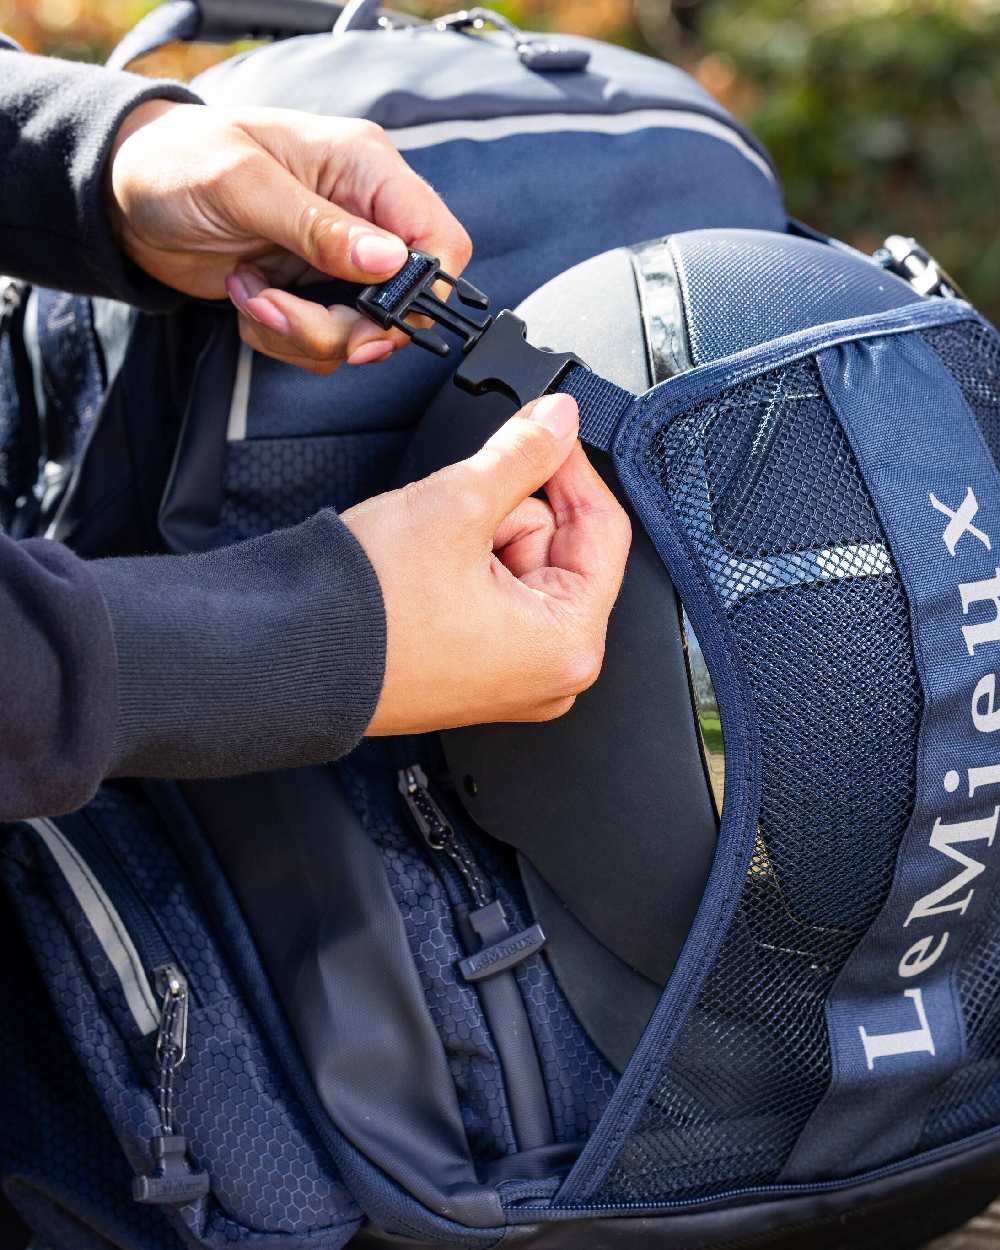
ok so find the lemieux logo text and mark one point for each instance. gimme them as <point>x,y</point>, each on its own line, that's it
<point>963,845</point>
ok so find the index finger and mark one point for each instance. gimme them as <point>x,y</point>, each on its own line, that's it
<point>405,204</point>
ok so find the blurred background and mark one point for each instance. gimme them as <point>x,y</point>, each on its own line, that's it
<point>882,115</point>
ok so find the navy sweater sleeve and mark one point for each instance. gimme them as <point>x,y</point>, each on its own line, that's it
<point>266,654</point>
<point>58,120</point>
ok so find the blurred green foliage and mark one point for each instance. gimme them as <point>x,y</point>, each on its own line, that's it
<point>882,115</point>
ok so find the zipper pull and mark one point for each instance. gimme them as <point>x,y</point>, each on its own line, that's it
<point>431,821</point>
<point>172,1183</point>
<point>436,830</point>
<point>501,950</point>
<point>171,1042</point>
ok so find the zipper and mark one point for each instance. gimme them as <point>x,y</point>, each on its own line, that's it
<point>512,1200</point>
<point>136,914</point>
<point>495,951</point>
<point>155,990</point>
<point>108,925</point>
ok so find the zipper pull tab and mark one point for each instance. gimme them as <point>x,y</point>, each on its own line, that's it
<point>172,1183</point>
<point>501,949</point>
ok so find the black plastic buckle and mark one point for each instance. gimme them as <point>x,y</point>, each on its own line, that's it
<point>498,356</point>
<point>389,304</point>
<point>907,259</point>
<point>503,360</point>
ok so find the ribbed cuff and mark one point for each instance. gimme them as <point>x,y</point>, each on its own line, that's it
<point>267,654</point>
<point>112,97</point>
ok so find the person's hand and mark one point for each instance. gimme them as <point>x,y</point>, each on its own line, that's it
<point>253,200</point>
<point>496,602</point>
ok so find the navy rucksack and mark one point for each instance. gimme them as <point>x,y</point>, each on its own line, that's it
<point>318,1007</point>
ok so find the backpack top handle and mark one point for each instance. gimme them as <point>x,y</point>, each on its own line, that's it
<point>222,21</point>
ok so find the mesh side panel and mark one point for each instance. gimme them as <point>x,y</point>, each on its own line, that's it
<point>822,629</point>
<point>972,353</point>
<point>788,484</point>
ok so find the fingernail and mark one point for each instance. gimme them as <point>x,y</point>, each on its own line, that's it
<point>269,316</point>
<point>558,413</point>
<point>244,285</point>
<point>379,253</point>
<point>368,353</point>
<point>236,290</point>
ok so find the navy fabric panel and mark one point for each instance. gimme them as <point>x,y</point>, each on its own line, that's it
<point>60,1164</point>
<point>441,76</point>
<point>383,1201</point>
<point>746,288</point>
<point>514,195</point>
<point>270,1176</point>
<point>893,1016</point>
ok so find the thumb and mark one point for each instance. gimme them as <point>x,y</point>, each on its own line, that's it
<point>283,210</point>
<point>522,455</point>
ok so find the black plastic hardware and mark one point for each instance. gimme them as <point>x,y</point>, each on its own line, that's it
<point>503,360</point>
<point>502,950</point>
<point>174,1184</point>
<point>498,356</point>
<point>907,259</point>
<point>411,291</point>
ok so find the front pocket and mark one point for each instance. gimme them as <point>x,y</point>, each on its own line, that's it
<point>209,1129</point>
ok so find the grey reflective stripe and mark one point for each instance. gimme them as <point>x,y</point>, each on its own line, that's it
<point>236,430</point>
<point>484,130</point>
<point>109,930</point>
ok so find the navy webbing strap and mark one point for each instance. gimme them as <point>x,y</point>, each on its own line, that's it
<point>602,405</point>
